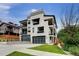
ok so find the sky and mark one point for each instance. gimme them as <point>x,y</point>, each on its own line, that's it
<point>15,12</point>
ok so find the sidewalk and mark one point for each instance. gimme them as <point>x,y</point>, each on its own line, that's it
<point>39,53</point>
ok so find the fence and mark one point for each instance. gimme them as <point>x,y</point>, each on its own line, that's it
<point>4,38</point>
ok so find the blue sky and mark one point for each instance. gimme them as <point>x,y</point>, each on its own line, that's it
<point>19,11</point>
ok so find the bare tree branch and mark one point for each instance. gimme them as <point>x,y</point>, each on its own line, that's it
<point>70,18</point>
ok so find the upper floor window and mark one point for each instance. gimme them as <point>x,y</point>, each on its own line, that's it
<point>36,21</point>
<point>40,29</point>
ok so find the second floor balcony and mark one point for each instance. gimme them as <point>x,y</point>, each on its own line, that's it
<point>51,31</point>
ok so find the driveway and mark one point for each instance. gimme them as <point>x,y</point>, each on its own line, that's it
<point>6,49</point>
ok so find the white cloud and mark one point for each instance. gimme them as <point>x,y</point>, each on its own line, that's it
<point>5,13</point>
<point>4,9</point>
<point>27,13</point>
<point>33,10</point>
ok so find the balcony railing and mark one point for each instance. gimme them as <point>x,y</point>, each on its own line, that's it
<point>51,25</point>
<point>51,33</point>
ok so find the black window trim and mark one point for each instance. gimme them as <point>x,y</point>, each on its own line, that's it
<point>41,31</point>
<point>35,23</point>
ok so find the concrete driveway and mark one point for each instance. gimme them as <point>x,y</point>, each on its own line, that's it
<point>6,49</point>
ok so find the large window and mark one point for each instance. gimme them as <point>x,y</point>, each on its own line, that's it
<point>24,31</point>
<point>40,29</point>
<point>36,21</point>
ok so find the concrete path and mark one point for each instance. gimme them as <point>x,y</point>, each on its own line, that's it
<point>39,53</point>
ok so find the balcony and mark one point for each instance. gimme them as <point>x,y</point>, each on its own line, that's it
<point>50,22</point>
<point>23,23</point>
<point>52,31</point>
<point>51,26</point>
<point>36,21</point>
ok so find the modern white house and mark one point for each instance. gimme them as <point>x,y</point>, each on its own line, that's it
<point>38,28</point>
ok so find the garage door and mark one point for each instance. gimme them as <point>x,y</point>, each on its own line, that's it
<point>26,38</point>
<point>39,39</point>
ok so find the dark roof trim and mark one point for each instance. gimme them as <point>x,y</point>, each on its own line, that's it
<point>50,15</point>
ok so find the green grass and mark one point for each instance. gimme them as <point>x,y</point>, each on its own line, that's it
<point>16,53</point>
<point>49,48</point>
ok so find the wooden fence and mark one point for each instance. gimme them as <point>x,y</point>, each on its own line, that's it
<point>9,38</point>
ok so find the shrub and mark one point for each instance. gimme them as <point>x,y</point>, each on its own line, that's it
<point>70,40</point>
<point>67,38</point>
<point>66,46</point>
<point>74,50</point>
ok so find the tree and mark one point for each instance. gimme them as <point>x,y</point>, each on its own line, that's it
<point>70,19</point>
<point>70,34</point>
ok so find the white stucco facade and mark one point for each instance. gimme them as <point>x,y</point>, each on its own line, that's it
<point>43,22</point>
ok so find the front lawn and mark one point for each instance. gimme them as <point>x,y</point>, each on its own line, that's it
<point>49,48</point>
<point>16,53</point>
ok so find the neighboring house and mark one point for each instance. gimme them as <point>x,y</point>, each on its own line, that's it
<point>38,28</point>
<point>9,32</point>
<point>9,28</point>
